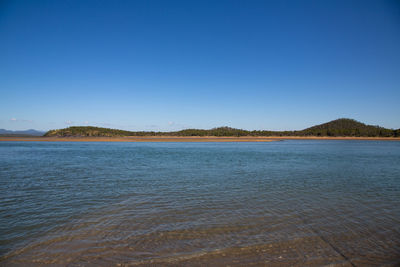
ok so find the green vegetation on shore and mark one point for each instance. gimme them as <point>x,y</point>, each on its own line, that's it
<point>339,127</point>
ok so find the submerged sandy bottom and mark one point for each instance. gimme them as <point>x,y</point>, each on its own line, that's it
<point>190,238</point>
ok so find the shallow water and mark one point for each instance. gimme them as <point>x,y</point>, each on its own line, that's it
<point>277,203</point>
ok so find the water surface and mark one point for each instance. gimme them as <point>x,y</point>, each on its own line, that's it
<point>277,203</point>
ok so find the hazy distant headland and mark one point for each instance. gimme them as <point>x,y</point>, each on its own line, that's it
<point>26,133</point>
<point>335,128</point>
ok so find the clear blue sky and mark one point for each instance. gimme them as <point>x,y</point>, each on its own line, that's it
<point>167,65</point>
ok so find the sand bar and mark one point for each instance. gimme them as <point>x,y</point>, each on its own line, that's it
<point>189,139</point>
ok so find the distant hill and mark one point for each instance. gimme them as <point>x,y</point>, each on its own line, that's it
<point>30,132</point>
<point>82,131</point>
<point>347,127</point>
<point>339,127</point>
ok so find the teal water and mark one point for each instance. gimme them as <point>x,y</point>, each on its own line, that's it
<point>277,203</point>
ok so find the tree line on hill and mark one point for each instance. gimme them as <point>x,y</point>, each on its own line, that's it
<point>339,127</point>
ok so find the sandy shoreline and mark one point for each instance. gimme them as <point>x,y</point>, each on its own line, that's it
<point>189,139</point>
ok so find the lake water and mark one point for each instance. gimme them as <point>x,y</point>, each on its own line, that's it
<point>196,204</point>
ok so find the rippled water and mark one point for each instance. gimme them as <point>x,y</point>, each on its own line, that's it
<point>278,203</point>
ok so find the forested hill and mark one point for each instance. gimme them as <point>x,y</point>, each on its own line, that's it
<point>348,127</point>
<point>339,127</point>
<point>88,131</point>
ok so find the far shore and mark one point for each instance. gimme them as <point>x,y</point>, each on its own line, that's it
<point>191,138</point>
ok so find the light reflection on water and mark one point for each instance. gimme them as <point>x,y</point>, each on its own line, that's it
<point>279,203</point>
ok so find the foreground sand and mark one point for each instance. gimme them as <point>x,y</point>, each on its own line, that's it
<point>188,139</point>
